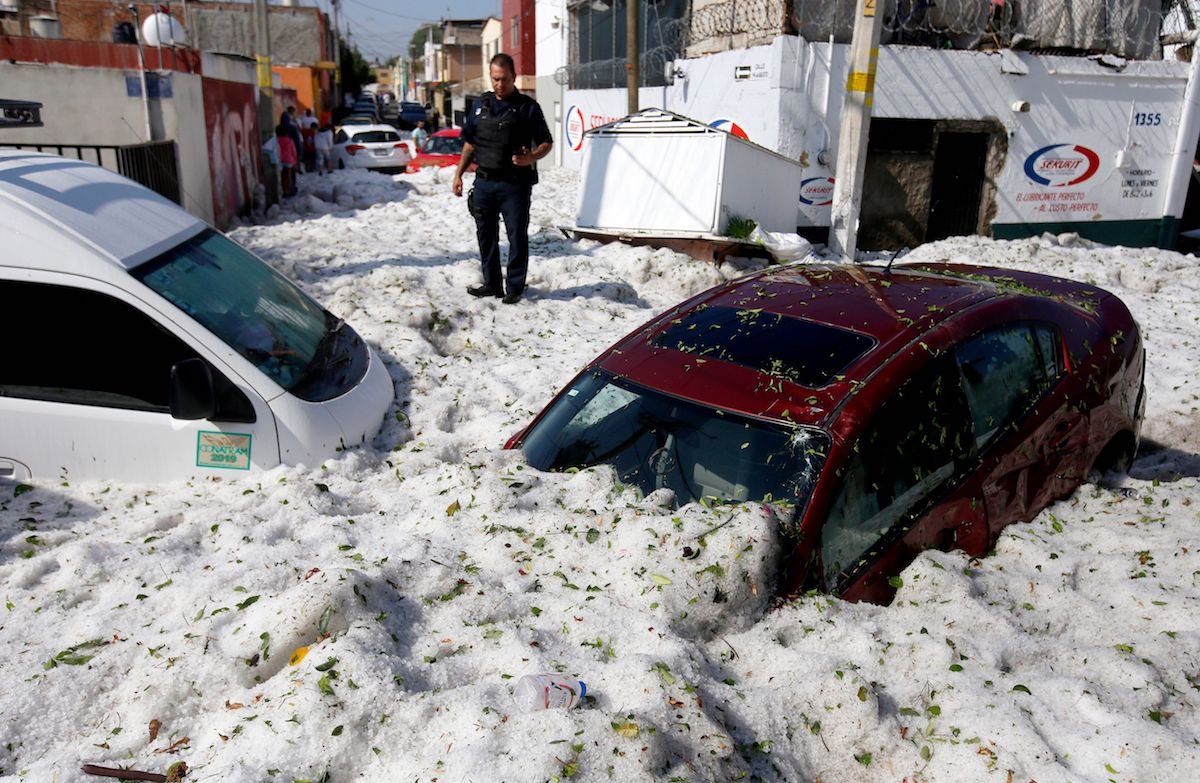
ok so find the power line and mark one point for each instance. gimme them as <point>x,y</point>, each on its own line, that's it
<point>389,30</point>
<point>386,12</point>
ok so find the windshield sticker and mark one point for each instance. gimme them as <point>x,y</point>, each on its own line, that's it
<point>223,450</point>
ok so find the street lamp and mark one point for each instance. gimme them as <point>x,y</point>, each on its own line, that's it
<point>137,29</point>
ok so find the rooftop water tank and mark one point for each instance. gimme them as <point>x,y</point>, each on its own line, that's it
<point>161,29</point>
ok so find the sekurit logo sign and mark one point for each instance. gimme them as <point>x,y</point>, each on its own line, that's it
<point>730,127</point>
<point>817,191</point>
<point>574,127</point>
<point>1061,165</point>
<point>223,450</point>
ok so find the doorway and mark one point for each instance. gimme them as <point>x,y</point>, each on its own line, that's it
<point>928,180</point>
<point>958,173</point>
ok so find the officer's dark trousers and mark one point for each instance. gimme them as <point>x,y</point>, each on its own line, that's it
<point>492,200</point>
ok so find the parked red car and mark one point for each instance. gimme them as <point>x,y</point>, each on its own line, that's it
<point>443,148</point>
<point>880,411</point>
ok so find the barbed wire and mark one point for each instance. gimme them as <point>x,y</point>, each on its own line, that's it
<point>602,74</point>
<point>668,34</point>
<point>1128,28</point>
<point>734,17</point>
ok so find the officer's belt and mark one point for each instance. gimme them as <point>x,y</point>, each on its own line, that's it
<point>500,175</point>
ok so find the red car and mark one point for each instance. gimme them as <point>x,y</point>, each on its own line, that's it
<point>443,148</point>
<point>881,412</point>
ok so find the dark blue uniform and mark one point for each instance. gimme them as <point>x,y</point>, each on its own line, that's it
<point>498,130</point>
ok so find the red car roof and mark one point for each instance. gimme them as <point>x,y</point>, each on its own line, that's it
<point>868,314</point>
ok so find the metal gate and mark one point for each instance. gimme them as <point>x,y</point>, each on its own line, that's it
<point>153,164</point>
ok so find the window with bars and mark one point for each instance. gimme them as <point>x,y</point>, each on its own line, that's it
<point>599,50</point>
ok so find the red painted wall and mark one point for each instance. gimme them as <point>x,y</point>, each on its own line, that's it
<point>281,99</point>
<point>93,54</point>
<point>231,122</point>
<point>524,52</point>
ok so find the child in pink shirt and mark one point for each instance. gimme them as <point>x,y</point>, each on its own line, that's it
<point>287,161</point>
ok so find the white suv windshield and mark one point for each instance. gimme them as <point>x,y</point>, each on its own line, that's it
<point>241,300</point>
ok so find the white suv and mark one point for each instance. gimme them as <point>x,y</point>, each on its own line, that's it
<point>142,344</point>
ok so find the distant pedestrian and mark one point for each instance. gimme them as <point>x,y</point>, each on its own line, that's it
<point>324,143</point>
<point>505,134</point>
<point>420,136</point>
<point>287,159</point>
<point>308,120</point>
<point>288,121</point>
<point>309,155</point>
<point>435,120</point>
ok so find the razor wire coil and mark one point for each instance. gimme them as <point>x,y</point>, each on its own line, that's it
<point>1126,28</point>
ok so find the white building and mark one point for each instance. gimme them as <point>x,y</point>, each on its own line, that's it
<point>988,139</point>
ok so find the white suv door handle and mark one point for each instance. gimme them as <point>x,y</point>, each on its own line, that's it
<point>13,470</point>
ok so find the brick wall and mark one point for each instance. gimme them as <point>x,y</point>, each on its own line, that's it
<point>299,34</point>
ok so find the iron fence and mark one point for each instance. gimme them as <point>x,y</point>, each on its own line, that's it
<point>598,56</point>
<point>153,164</point>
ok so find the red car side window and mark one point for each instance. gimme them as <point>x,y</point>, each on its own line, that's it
<point>909,450</point>
<point>1004,372</point>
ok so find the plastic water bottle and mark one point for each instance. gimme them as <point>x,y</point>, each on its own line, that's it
<point>548,692</point>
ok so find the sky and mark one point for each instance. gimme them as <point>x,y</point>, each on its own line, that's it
<point>366,618</point>
<point>383,28</point>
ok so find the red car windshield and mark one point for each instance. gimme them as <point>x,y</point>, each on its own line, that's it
<point>654,441</point>
<point>443,145</point>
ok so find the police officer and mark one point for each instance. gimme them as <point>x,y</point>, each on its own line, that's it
<point>504,134</point>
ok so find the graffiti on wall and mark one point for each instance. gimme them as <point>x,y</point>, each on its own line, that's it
<point>231,120</point>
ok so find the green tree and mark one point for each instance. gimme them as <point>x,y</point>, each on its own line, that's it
<point>416,44</point>
<point>355,71</point>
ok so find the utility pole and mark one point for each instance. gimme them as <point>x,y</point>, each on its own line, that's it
<point>337,56</point>
<point>855,130</point>
<point>633,75</point>
<point>137,31</point>
<point>1180,174</point>
<point>266,94</point>
<point>158,34</point>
